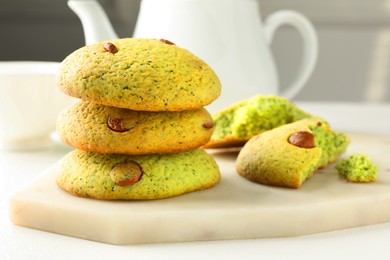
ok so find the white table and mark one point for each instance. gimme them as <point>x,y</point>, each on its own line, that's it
<point>19,168</point>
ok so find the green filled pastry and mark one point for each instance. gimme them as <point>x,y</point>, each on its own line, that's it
<point>288,155</point>
<point>236,124</point>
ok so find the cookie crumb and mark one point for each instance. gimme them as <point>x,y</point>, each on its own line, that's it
<point>358,168</point>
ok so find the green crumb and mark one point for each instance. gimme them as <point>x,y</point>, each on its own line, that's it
<point>358,168</point>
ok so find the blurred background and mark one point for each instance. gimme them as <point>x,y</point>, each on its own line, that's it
<point>354,38</point>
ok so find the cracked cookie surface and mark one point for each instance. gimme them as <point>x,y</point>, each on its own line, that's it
<point>142,74</point>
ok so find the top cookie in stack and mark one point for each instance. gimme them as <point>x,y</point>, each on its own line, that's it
<point>139,74</point>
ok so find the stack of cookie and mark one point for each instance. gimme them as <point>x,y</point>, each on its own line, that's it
<point>140,121</point>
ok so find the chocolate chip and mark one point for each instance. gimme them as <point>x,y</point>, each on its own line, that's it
<point>167,42</point>
<point>122,123</point>
<point>115,124</point>
<point>126,174</point>
<point>110,47</point>
<point>208,124</point>
<point>302,139</point>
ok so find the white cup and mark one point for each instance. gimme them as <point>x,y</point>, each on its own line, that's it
<point>29,104</point>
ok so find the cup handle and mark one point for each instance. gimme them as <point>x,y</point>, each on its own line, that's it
<point>310,44</point>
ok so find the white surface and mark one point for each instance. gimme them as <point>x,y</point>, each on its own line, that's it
<point>233,209</point>
<point>18,169</point>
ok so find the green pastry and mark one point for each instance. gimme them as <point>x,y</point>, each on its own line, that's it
<point>142,177</point>
<point>236,124</point>
<point>103,129</point>
<point>139,74</point>
<point>288,155</point>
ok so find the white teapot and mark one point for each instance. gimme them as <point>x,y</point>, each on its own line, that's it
<point>227,34</point>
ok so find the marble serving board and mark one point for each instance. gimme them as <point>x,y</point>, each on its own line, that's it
<point>234,209</point>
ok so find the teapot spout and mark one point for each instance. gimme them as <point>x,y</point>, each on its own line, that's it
<point>96,25</point>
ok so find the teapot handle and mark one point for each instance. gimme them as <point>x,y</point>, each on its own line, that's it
<point>310,44</point>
